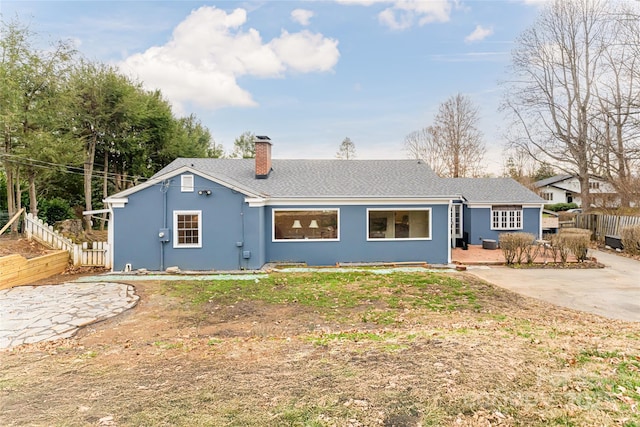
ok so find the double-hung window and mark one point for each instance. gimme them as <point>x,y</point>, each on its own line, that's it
<point>506,217</point>
<point>187,229</point>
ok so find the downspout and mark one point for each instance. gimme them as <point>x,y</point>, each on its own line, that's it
<point>240,248</point>
<point>164,189</point>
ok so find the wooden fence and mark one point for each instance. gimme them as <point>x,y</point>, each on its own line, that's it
<point>605,225</point>
<point>85,254</point>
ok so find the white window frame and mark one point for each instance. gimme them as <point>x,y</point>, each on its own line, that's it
<point>547,195</point>
<point>506,217</point>
<point>187,183</point>
<point>273,224</point>
<point>456,220</point>
<point>399,239</point>
<point>176,243</point>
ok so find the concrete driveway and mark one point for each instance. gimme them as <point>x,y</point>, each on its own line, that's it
<point>613,291</point>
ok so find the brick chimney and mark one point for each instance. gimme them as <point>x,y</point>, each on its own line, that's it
<point>263,156</point>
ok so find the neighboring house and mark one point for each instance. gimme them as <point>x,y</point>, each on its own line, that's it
<point>566,189</point>
<point>229,214</point>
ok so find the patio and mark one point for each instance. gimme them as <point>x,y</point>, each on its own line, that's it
<point>476,255</point>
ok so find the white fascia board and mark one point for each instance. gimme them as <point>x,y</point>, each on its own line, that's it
<point>116,202</point>
<point>490,205</point>
<point>189,169</point>
<point>255,202</point>
<point>333,201</point>
<point>176,172</point>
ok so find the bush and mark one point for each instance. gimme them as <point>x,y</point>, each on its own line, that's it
<point>559,249</point>
<point>517,247</point>
<point>54,210</point>
<point>559,207</point>
<point>576,241</point>
<point>630,236</point>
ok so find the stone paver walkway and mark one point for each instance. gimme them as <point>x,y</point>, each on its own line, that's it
<point>30,314</point>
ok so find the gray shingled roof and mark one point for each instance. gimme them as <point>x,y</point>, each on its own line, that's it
<point>354,178</point>
<point>551,180</point>
<point>494,190</point>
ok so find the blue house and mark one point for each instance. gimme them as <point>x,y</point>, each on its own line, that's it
<point>229,214</point>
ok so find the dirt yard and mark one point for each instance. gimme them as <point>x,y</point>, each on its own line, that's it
<point>331,350</point>
<point>21,246</point>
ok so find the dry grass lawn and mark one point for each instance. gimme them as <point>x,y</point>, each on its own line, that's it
<point>331,349</point>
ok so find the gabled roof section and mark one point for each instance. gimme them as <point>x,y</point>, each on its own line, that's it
<point>552,180</point>
<point>325,178</point>
<point>161,176</point>
<point>492,190</point>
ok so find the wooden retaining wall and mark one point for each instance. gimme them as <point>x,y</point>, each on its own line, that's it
<point>16,270</point>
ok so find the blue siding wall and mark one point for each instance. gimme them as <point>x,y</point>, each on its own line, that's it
<point>353,245</point>
<point>478,224</point>
<point>227,221</point>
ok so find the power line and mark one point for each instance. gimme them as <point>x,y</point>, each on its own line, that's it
<point>25,161</point>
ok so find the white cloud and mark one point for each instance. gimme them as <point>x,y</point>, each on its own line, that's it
<point>209,50</point>
<point>478,34</point>
<point>302,16</point>
<point>305,51</point>
<point>403,14</point>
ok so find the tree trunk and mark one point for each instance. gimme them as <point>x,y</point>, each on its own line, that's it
<point>33,201</point>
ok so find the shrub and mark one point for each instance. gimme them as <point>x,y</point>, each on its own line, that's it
<point>576,241</point>
<point>558,207</point>
<point>559,248</point>
<point>630,236</point>
<point>54,210</point>
<point>517,247</point>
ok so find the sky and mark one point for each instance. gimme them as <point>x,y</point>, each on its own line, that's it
<point>308,74</point>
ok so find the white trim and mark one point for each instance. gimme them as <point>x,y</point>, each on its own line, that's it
<point>345,201</point>
<point>157,180</point>
<point>185,185</point>
<point>485,205</point>
<point>118,202</point>
<point>399,239</point>
<point>540,223</point>
<point>450,237</point>
<point>255,202</point>
<point>177,245</point>
<point>111,238</point>
<point>273,225</point>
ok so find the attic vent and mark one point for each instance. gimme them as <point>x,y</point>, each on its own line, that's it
<point>186,183</point>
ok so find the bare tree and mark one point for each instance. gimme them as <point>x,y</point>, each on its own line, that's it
<point>615,121</point>
<point>453,145</point>
<point>519,165</point>
<point>423,144</point>
<point>347,150</point>
<point>555,63</point>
